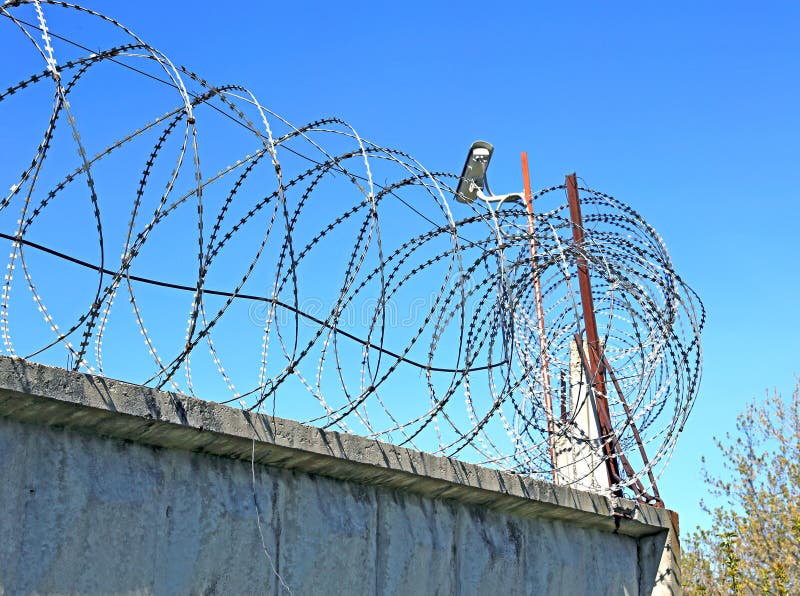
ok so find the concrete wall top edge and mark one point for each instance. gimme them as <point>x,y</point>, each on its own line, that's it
<point>39,394</point>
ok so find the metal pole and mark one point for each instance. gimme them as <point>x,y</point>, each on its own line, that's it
<point>537,292</point>
<point>595,355</point>
<point>656,497</point>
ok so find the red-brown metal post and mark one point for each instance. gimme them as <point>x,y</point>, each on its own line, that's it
<point>656,497</point>
<point>595,349</point>
<point>537,293</point>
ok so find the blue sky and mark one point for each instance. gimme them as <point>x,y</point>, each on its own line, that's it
<point>686,111</point>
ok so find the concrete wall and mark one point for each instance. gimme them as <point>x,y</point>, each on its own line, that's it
<point>109,487</point>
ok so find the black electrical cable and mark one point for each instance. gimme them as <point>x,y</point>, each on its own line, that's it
<point>252,297</point>
<point>224,113</point>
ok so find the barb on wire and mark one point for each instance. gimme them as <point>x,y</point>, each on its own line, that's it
<point>180,234</point>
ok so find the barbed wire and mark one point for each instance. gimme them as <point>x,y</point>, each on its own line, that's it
<point>334,279</point>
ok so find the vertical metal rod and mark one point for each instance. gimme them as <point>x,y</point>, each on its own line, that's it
<point>537,292</point>
<point>595,355</point>
<point>637,485</point>
<point>656,496</point>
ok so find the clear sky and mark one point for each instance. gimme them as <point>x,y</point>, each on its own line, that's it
<point>688,111</point>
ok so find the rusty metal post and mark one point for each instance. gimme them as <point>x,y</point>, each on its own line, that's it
<point>655,498</point>
<point>595,355</point>
<point>537,293</point>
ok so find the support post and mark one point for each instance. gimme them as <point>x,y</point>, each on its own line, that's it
<point>537,293</point>
<point>594,349</point>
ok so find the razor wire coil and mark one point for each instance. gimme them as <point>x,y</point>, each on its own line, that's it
<point>318,274</point>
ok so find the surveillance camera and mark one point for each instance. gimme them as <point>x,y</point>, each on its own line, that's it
<point>473,177</point>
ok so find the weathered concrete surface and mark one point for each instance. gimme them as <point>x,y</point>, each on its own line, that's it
<point>111,487</point>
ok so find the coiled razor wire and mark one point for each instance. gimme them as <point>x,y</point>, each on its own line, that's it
<point>309,270</point>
